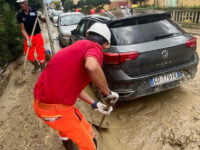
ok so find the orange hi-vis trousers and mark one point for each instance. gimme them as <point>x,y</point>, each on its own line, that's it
<point>69,123</point>
<point>38,44</point>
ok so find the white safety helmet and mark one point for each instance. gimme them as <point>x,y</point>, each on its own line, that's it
<point>19,1</point>
<point>102,29</point>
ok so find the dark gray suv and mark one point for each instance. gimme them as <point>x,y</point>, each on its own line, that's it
<point>149,53</point>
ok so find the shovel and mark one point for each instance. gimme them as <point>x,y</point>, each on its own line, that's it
<point>25,59</point>
<point>104,116</point>
<point>103,123</point>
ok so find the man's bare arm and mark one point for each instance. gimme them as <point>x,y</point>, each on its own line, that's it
<point>83,96</point>
<point>23,30</point>
<point>96,74</point>
<point>42,19</point>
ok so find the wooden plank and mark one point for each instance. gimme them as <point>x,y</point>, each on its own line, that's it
<point>192,17</point>
<point>179,17</point>
<point>196,15</point>
<point>199,17</point>
<point>173,15</point>
<point>182,16</point>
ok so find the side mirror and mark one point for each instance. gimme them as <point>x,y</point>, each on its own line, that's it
<point>73,32</point>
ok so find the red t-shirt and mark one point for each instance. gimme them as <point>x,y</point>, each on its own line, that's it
<point>65,75</point>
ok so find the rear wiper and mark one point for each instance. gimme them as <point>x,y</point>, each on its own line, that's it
<point>157,37</point>
<point>65,25</point>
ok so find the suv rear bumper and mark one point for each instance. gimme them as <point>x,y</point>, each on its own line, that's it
<point>130,88</point>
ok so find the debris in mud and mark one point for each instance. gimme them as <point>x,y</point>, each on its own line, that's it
<point>20,77</point>
<point>182,136</point>
<point>196,111</point>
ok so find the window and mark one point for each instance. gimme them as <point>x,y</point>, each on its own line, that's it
<point>143,32</point>
<point>70,20</point>
<point>81,28</point>
<point>90,23</point>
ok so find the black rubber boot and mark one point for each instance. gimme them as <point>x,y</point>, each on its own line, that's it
<point>42,66</point>
<point>36,66</point>
<point>95,142</point>
<point>69,145</point>
<point>47,56</point>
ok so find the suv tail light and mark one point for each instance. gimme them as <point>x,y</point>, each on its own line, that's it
<point>191,43</point>
<point>119,58</point>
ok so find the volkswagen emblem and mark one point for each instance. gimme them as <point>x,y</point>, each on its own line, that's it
<point>165,54</point>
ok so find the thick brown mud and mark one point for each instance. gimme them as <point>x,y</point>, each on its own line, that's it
<point>169,120</point>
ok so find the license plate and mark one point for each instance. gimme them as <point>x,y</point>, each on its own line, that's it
<point>165,78</point>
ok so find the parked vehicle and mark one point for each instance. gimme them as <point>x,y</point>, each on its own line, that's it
<point>54,17</point>
<point>149,53</point>
<point>66,23</point>
<point>50,11</point>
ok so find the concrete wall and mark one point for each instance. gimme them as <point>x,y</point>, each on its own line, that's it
<point>75,2</point>
<point>189,2</point>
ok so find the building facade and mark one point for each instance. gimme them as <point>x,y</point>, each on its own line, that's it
<point>173,3</point>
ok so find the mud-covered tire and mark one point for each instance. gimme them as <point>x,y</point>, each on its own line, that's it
<point>70,41</point>
<point>60,42</point>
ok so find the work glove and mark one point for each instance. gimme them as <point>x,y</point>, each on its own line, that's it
<point>112,98</point>
<point>29,44</point>
<point>39,14</point>
<point>98,106</point>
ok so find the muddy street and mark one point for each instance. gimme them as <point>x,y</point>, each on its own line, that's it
<point>169,120</point>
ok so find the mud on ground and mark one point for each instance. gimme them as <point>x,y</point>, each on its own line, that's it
<point>169,120</point>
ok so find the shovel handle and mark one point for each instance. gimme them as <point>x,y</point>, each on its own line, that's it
<point>25,59</point>
<point>104,116</point>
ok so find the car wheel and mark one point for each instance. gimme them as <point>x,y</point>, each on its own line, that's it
<point>60,42</point>
<point>70,41</point>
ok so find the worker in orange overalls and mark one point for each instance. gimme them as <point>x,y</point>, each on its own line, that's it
<point>68,72</point>
<point>102,11</point>
<point>92,11</point>
<point>26,18</point>
<point>77,10</point>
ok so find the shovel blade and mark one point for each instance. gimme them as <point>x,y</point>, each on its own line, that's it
<point>96,120</point>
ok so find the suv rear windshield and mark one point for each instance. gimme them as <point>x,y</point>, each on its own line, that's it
<point>140,33</point>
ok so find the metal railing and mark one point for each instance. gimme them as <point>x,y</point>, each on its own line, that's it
<point>186,16</point>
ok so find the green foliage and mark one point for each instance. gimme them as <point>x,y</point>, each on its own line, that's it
<point>68,5</point>
<point>13,3</point>
<point>138,1</point>
<point>32,3</point>
<point>93,3</point>
<point>81,3</point>
<point>11,43</point>
<point>35,3</point>
<point>57,4</point>
<point>86,5</point>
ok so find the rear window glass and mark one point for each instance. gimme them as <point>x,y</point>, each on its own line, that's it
<point>140,33</point>
<point>70,20</point>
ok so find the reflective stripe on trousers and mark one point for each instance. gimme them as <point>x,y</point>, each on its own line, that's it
<point>69,123</point>
<point>38,44</point>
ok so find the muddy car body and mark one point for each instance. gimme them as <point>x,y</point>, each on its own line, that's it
<point>54,16</point>
<point>66,23</point>
<point>149,53</point>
